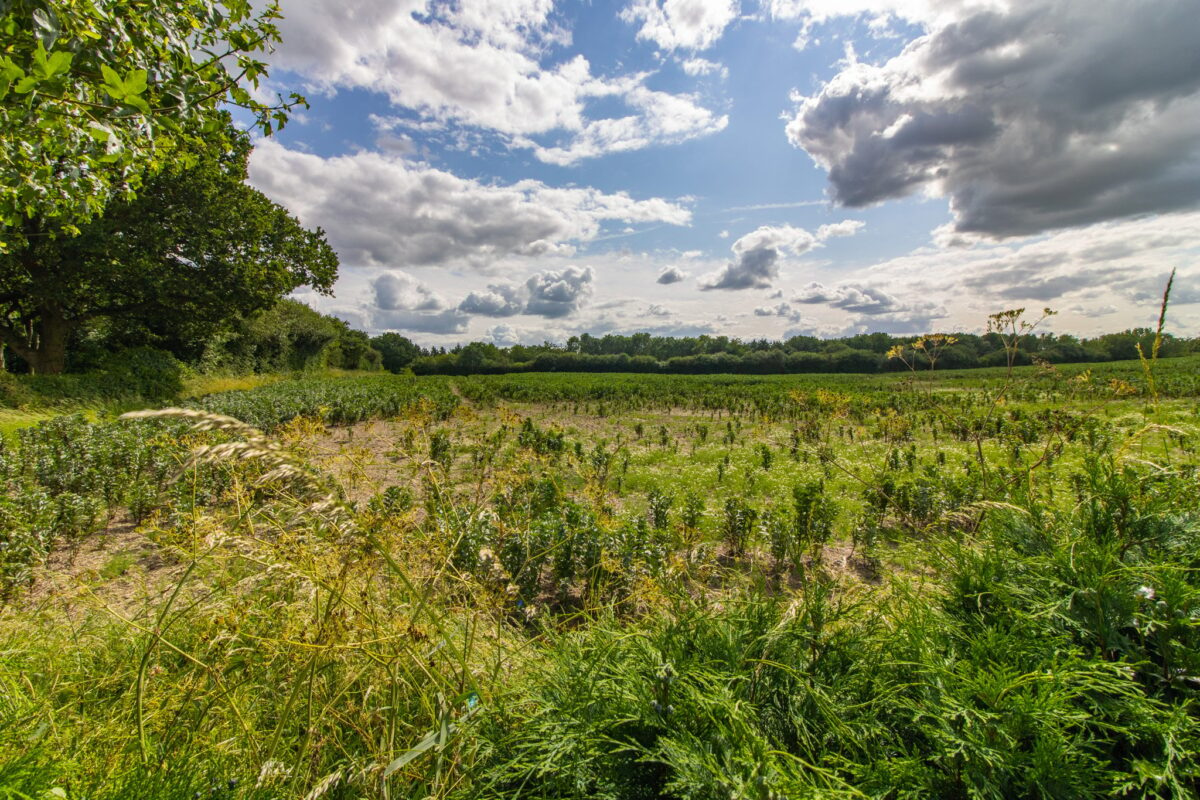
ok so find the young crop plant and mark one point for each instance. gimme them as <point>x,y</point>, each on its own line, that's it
<point>691,516</point>
<point>737,525</point>
<point>812,522</point>
<point>659,509</point>
<point>766,457</point>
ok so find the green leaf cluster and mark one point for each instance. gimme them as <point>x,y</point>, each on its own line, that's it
<point>96,96</point>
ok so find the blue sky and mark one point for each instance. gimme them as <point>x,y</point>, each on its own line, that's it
<point>522,170</point>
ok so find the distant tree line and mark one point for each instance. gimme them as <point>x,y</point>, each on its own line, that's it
<point>642,352</point>
<point>290,336</point>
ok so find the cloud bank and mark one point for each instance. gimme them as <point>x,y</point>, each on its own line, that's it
<point>493,65</point>
<point>1028,118</point>
<point>384,211</point>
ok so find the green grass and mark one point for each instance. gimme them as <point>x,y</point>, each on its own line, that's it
<point>117,565</point>
<point>488,587</point>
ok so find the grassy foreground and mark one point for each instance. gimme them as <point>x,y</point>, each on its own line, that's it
<point>605,586</point>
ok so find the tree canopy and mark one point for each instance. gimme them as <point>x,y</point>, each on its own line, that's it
<point>397,351</point>
<point>95,95</point>
<point>196,247</point>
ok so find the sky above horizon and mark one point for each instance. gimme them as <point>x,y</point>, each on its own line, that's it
<point>525,170</point>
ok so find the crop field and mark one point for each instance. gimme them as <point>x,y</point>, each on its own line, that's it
<point>937,584</point>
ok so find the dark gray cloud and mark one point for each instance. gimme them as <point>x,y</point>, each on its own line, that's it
<point>671,275</point>
<point>1051,114</point>
<point>754,269</point>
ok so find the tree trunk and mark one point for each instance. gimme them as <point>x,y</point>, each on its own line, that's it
<point>48,355</point>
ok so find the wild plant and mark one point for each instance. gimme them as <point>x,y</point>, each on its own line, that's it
<point>441,450</point>
<point>1148,364</point>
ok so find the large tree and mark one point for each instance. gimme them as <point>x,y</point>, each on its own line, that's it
<point>196,247</point>
<point>95,95</point>
<point>397,351</point>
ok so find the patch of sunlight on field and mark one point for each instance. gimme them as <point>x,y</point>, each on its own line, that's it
<point>201,385</point>
<point>12,420</point>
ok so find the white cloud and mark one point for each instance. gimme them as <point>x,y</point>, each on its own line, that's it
<point>398,290</point>
<point>670,275</point>
<point>383,211</point>
<point>681,24</point>
<point>404,303</point>
<point>854,297</point>
<point>702,66</point>
<point>499,300</point>
<point>783,310</point>
<point>927,12</point>
<point>484,64</point>
<point>1114,269</point>
<point>558,293</point>
<point>660,118</point>
<point>847,227</point>
<point>549,293</point>
<point>504,335</point>
<point>757,254</point>
<point>1030,117</point>
<point>875,308</point>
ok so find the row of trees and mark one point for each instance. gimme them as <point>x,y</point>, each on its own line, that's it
<point>641,352</point>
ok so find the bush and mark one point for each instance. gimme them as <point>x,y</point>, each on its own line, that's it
<point>143,371</point>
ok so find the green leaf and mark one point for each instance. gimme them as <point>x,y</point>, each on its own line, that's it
<point>422,746</point>
<point>47,27</point>
<point>101,133</point>
<point>59,62</point>
<point>9,72</point>
<point>135,81</point>
<point>26,85</point>
<point>137,102</point>
<point>39,59</point>
<point>112,82</point>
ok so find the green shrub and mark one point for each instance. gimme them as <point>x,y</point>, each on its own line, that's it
<point>144,372</point>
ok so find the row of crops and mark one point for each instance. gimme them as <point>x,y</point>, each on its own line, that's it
<point>69,478</point>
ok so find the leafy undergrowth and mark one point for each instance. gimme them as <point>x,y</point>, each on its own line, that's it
<point>611,589</point>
